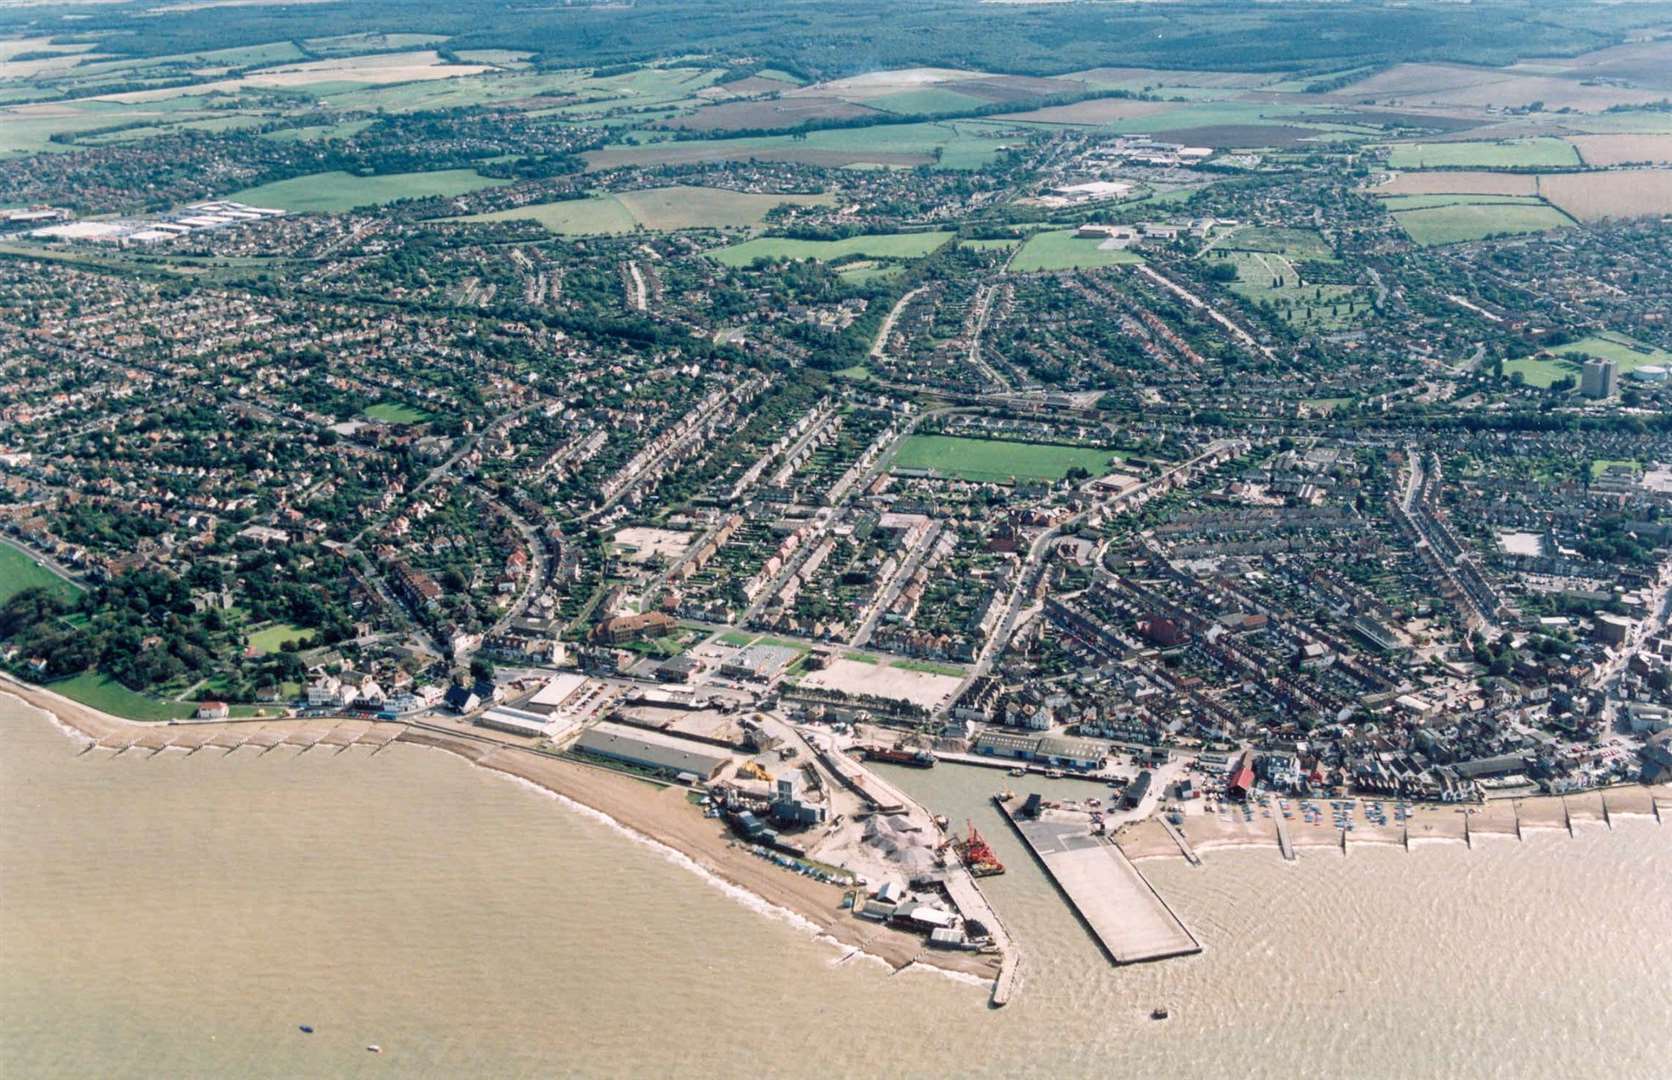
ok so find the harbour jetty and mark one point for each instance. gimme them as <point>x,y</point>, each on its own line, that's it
<point>1117,904</point>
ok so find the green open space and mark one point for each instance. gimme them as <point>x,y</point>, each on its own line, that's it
<point>1397,203</point>
<point>1507,154</point>
<point>107,695</point>
<point>393,412</point>
<point>1295,243</point>
<point>1456,223</point>
<point>1060,249</point>
<point>997,460</point>
<point>1602,465</point>
<point>19,572</point>
<point>930,667</point>
<point>271,639</point>
<point>668,208</point>
<point>1544,369</point>
<point>879,246</point>
<point>334,192</point>
<point>1273,278</point>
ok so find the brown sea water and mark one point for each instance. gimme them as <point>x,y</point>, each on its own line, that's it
<point>181,916</point>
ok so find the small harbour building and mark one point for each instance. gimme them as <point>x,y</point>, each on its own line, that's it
<point>664,754</point>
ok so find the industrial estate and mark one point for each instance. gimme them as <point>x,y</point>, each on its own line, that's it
<point>1213,449</point>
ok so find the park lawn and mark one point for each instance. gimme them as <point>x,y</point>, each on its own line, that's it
<point>271,639</point>
<point>859,373</point>
<point>18,572</point>
<point>393,412</point>
<point>860,273</point>
<point>880,246</point>
<point>334,192</point>
<point>1294,243</point>
<point>997,460</point>
<point>1540,371</point>
<point>668,208</point>
<point>107,695</point>
<point>1513,153</point>
<point>736,638</point>
<point>1458,223</point>
<point>1062,250</point>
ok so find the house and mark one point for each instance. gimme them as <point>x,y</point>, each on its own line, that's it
<point>461,699</point>
<point>213,710</point>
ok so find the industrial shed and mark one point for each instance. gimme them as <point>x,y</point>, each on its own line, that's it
<point>651,750</point>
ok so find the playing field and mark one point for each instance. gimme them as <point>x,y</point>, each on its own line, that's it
<point>880,246</point>
<point>1628,354</point>
<point>1454,224</point>
<point>393,412</point>
<point>18,572</point>
<point>997,461</point>
<point>667,208</point>
<point>334,192</point>
<point>271,639</point>
<point>1516,153</point>
<point>1062,250</point>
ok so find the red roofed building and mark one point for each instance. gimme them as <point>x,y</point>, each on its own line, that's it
<point>1241,781</point>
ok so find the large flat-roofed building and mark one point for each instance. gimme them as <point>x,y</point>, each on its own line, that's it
<point>559,692</point>
<point>515,722</point>
<point>652,750</point>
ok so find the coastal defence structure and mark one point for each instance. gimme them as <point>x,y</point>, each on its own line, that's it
<point>1124,913</point>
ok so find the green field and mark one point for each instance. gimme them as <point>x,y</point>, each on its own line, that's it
<point>334,192</point>
<point>880,246</point>
<point>667,208</point>
<point>1397,203</point>
<point>107,695</point>
<point>1541,371</point>
<point>393,412</point>
<point>1295,243</point>
<point>271,639</point>
<point>930,667</point>
<point>1459,222</point>
<point>318,132</point>
<point>1602,465</point>
<point>1514,153</point>
<point>18,572</point>
<point>1062,250</point>
<point>1268,277</point>
<point>998,461</point>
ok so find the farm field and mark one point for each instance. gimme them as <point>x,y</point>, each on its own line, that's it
<point>1623,149</point>
<point>1626,193</point>
<point>271,639</point>
<point>998,461</point>
<point>1062,250</point>
<point>1544,369</point>
<point>1466,183</point>
<point>960,145</point>
<point>18,572</point>
<point>1457,223</point>
<point>1396,203</point>
<point>881,246</point>
<point>667,208</point>
<point>1518,153</point>
<point>332,192</point>
<point>106,694</point>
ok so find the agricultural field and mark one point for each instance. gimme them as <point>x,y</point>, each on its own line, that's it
<point>662,209</point>
<point>1459,222</point>
<point>962,145</point>
<point>999,461</point>
<point>1626,193</point>
<point>1544,368</point>
<point>333,192</point>
<point>1462,183</point>
<point>881,246</point>
<point>1062,250</point>
<point>1606,150</point>
<point>1512,154</point>
<point>271,639</point>
<point>18,572</point>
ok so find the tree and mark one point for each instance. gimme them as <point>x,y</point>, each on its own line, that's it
<point>481,669</point>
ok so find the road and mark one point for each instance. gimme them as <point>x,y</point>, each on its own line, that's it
<point>888,322</point>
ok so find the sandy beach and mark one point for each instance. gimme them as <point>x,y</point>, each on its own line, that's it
<point>663,816</point>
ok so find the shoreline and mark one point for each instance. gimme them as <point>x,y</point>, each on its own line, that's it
<point>660,818</point>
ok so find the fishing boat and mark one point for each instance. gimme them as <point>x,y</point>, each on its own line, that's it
<point>307,1029</point>
<point>1158,1013</point>
<point>1018,771</point>
<point>374,1048</point>
<point>919,759</point>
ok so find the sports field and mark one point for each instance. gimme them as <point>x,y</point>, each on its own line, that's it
<point>1628,354</point>
<point>880,246</point>
<point>998,461</point>
<point>1453,224</point>
<point>334,192</point>
<point>18,572</point>
<point>666,208</point>
<point>1514,153</point>
<point>1062,250</point>
<point>393,412</point>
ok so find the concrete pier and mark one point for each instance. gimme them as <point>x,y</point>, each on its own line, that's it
<point>1124,913</point>
<point>1284,844</point>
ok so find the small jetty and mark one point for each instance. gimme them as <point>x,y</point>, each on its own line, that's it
<point>1124,913</point>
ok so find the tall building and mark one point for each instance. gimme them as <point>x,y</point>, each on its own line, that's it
<point>1599,379</point>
